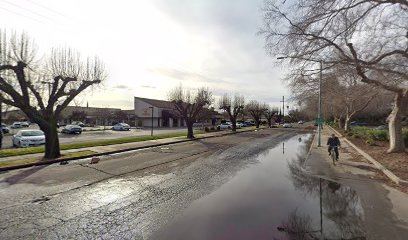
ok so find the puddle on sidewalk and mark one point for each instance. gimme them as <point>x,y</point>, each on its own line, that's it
<point>273,199</point>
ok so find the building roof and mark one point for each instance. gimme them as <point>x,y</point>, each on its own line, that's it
<point>157,103</point>
<point>88,110</point>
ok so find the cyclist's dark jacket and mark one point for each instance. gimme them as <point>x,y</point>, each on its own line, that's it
<point>332,142</point>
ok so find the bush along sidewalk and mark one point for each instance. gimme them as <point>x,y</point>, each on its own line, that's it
<point>371,136</point>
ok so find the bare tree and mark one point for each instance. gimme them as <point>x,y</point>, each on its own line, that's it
<point>256,110</point>
<point>189,104</point>
<point>369,35</point>
<point>270,113</point>
<point>23,77</point>
<point>233,107</point>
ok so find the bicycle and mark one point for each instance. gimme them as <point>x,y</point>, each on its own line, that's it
<point>333,154</point>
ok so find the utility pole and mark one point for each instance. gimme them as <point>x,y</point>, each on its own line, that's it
<point>283,108</point>
<point>49,87</point>
<point>319,115</point>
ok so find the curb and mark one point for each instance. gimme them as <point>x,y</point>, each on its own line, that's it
<point>377,165</point>
<point>3,169</point>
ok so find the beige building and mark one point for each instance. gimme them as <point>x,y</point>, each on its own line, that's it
<point>165,115</point>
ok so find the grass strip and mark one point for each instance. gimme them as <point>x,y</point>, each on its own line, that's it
<point>39,159</point>
<point>40,149</point>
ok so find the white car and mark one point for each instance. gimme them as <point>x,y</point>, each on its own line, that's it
<point>121,127</point>
<point>287,125</point>
<point>240,125</point>
<point>16,125</point>
<point>224,126</point>
<point>301,122</point>
<point>27,138</point>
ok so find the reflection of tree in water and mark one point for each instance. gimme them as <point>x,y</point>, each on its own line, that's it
<point>300,179</point>
<point>299,227</point>
<point>340,203</point>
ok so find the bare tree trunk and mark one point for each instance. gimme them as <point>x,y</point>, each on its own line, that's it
<point>397,143</point>
<point>340,123</point>
<point>347,123</point>
<point>269,122</point>
<point>52,148</point>
<point>190,133</point>
<point>234,124</point>
<point>257,123</point>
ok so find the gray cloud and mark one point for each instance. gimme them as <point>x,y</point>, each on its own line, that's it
<point>147,86</point>
<point>236,61</point>
<point>187,76</point>
<point>122,87</point>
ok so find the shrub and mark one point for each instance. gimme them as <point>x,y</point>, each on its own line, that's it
<point>206,129</point>
<point>370,142</point>
<point>379,135</point>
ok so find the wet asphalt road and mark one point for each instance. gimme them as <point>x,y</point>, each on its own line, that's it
<point>242,186</point>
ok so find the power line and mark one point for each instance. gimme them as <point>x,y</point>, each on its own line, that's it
<point>48,8</point>
<point>20,14</point>
<point>28,10</point>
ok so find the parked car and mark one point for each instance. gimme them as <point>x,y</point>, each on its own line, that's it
<point>16,125</point>
<point>25,124</point>
<point>382,127</point>
<point>224,126</point>
<point>4,128</point>
<point>27,138</point>
<point>121,127</point>
<point>355,123</point>
<point>72,129</point>
<point>301,122</point>
<point>287,125</point>
<point>78,123</point>
<point>240,125</point>
<point>250,123</point>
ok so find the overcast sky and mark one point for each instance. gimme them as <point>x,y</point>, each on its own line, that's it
<point>150,46</point>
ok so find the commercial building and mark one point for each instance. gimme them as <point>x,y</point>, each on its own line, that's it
<point>162,113</point>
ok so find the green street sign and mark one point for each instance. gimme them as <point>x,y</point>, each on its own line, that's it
<point>319,120</point>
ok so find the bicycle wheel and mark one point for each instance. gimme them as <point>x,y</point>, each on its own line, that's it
<point>333,156</point>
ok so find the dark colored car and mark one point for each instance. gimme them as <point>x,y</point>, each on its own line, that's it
<point>72,129</point>
<point>355,123</point>
<point>4,128</point>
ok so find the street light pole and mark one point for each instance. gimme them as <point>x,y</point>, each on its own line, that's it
<point>319,128</point>
<point>319,114</point>
<point>151,134</point>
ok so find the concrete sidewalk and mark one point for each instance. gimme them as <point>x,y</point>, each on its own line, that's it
<point>385,208</point>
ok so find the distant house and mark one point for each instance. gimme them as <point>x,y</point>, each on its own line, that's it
<point>163,114</point>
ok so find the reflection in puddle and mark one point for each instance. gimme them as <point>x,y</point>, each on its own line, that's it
<point>273,199</point>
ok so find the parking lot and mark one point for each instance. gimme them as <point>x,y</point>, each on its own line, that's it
<point>90,134</point>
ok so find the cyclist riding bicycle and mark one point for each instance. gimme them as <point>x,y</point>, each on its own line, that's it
<point>334,142</point>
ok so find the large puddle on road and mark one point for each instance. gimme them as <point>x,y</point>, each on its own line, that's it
<point>273,199</point>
